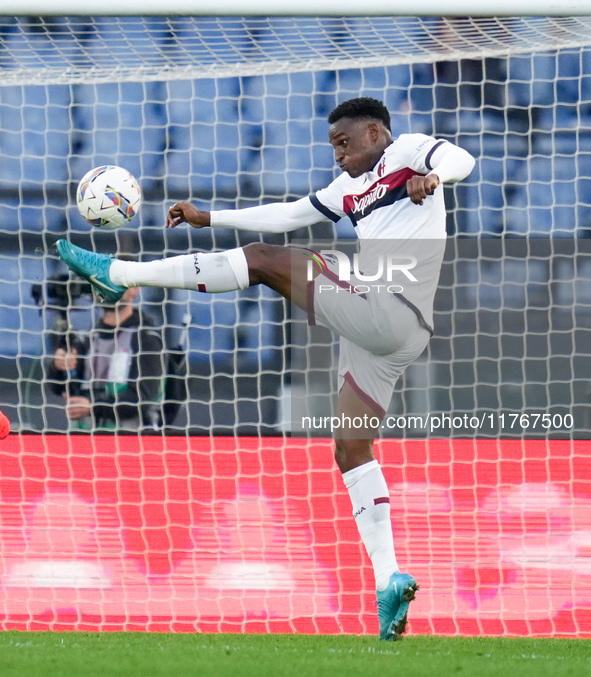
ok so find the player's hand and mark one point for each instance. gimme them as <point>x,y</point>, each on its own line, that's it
<point>4,426</point>
<point>418,187</point>
<point>77,407</point>
<point>64,361</point>
<point>185,212</point>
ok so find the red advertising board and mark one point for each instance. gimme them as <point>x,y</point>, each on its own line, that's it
<point>256,535</point>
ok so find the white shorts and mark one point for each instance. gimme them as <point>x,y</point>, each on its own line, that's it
<point>379,337</point>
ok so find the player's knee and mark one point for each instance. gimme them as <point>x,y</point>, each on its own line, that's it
<point>261,258</point>
<point>352,453</point>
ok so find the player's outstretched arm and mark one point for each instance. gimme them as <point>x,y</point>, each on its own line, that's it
<point>275,217</point>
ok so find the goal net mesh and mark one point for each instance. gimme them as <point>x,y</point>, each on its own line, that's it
<point>227,522</point>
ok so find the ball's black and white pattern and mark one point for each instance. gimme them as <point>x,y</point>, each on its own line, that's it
<point>108,197</point>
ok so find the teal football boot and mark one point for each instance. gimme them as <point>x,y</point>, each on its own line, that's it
<point>92,267</point>
<point>393,603</point>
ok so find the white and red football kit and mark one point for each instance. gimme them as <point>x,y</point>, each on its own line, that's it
<point>384,324</point>
<point>381,333</point>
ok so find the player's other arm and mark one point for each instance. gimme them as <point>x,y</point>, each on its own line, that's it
<point>439,161</point>
<point>276,217</point>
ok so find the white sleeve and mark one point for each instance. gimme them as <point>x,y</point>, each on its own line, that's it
<point>329,200</point>
<point>427,155</point>
<point>275,217</point>
<point>450,162</point>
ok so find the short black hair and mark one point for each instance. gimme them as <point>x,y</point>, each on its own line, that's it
<point>362,108</point>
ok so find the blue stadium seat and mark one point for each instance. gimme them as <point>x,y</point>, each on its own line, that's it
<point>583,183</point>
<point>124,40</point>
<point>506,285</point>
<point>182,106</point>
<point>300,35</point>
<point>34,134</point>
<point>273,170</point>
<point>568,75</point>
<point>287,169</point>
<point>36,48</point>
<point>21,325</point>
<point>225,155</point>
<point>535,193</point>
<point>399,83</point>
<point>252,102</point>
<point>381,78</point>
<point>121,124</point>
<point>564,192</point>
<point>204,134</point>
<point>276,107</point>
<point>227,93</point>
<point>225,36</point>
<point>530,79</point>
<point>196,102</point>
<point>300,107</point>
<point>31,216</point>
<point>277,85</point>
<point>491,186</point>
<point>207,311</point>
<point>42,217</point>
<point>548,188</point>
<point>349,82</point>
<point>223,322</point>
<point>322,151</point>
<point>421,88</point>
<point>586,82</point>
<point>517,214</point>
<point>190,161</point>
<point>266,37</point>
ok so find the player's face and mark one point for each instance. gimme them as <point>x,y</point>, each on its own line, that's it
<point>356,145</point>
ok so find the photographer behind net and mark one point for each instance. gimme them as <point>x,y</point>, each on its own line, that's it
<point>113,377</point>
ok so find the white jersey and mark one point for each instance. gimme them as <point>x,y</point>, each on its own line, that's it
<point>377,202</point>
<point>385,219</point>
<point>392,227</point>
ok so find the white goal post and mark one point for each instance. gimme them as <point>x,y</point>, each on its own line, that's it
<point>300,8</point>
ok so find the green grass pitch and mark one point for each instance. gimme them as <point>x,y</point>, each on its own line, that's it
<point>49,654</point>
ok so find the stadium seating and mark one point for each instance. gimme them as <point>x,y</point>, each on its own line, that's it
<point>34,135</point>
<point>120,125</point>
<point>213,139</point>
<point>21,323</point>
<point>248,325</point>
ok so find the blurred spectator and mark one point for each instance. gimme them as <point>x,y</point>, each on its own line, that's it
<point>114,377</point>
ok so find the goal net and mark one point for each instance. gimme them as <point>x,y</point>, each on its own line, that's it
<point>221,519</point>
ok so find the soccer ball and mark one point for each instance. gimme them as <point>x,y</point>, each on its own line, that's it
<point>108,197</point>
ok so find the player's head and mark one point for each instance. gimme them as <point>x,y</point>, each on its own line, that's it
<point>359,132</point>
<point>362,108</point>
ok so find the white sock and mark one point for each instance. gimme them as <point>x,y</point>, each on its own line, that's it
<point>371,509</point>
<point>206,272</point>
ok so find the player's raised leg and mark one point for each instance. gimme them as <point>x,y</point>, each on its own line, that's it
<point>370,499</point>
<point>283,269</point>
<point>280,268</point>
